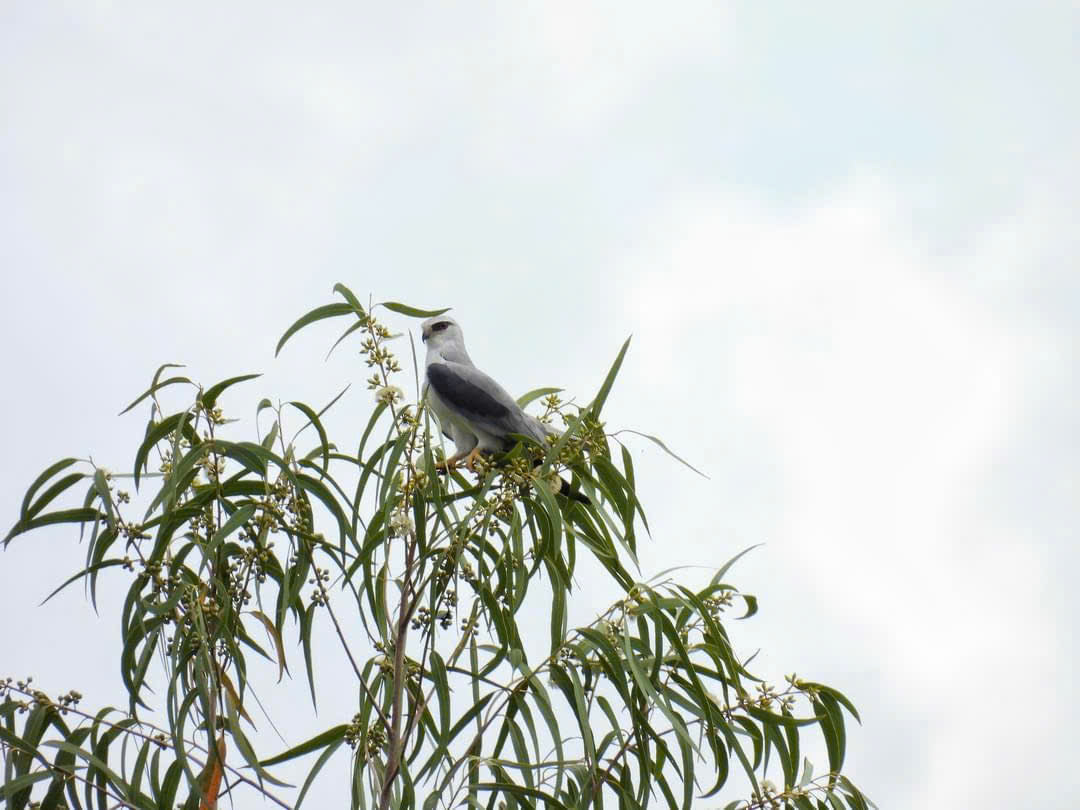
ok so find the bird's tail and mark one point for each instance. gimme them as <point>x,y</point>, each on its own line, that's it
<point>573,494</point>
<point>545,430</point>
<point>566,490</point>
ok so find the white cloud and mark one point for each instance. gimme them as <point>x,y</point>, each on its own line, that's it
<point>884,392</point>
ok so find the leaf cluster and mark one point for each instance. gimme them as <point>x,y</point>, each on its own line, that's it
<point>245,546</point>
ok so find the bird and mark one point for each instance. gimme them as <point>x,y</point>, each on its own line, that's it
<point>474,411</point>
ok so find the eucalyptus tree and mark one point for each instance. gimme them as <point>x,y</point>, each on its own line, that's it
<point>447,593</point>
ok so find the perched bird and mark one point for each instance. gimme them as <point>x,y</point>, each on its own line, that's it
<point>474,411</point>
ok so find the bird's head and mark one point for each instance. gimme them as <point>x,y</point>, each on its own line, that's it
<point>440,330</point>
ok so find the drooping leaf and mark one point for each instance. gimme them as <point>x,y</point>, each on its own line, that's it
<point>275,636</point>
<point>524,400</point>
<point>64,516</point>
<point>167,426</point>
<point>49,472</point>
<point>412,312</point>
<point>320,740</point>
<point>210,395</point>
<point>317,314</point>
<point>156,386</point>
<point>348,295</point>
<point>313,420</point>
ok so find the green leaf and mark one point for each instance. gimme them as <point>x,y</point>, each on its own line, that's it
<point>412,312</point>
<point>27,746</point>
<point>751,605</point>
<point>63,516</point>
<point>321,740</point>
<point>170,785</point>
<point>835,721</point>
<point>534,395</point>
<point>643,683</point>
<point>319,313</point>
<point>210,395</point>
<point>156,386</point>
<point>558,616</point>
<point>305,635</point>
<point>9,790</point>
<point>499,788</point>
<point>165,427</point>
<point>437,757</point>
<point>834,742</point>
<point>837,695</point>
<point>235,521</point>
<point>667,450</point>
<point>97,764</point>
<point>775,739</point>
<point>310,780</point>
<point>855,798</point>
<point>569,683</point>
<point>316,488</point>
<point>442,692</point>
<point>718,577</point>
<point>41,479</point>
<point>247,752</point>
<point>49,495</point>
<point>85,572</point>
<point>275,636</point>
<point>605,388</point>
<point>271,437</point>
<point>353,327</point>
<point>348,295</point>
<point>313,420</point>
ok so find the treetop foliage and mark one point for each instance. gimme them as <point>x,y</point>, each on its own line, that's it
<point>234,547</point>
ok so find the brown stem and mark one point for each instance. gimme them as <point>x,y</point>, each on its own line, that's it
<point>396,742</point>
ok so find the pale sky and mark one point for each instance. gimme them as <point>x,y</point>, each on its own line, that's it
<point>843,236</point>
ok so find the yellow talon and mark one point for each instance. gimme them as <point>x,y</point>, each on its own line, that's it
<point>470,460</point>
<point>448,464</point>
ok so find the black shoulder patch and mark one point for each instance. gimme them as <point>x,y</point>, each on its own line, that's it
<point>463,395</point>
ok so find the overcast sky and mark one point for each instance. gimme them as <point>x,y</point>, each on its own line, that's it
<point>842,234</point>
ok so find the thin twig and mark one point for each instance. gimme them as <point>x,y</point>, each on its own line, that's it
<point>348,653</point>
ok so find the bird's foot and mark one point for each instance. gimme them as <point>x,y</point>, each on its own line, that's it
<point>448,464</point>
<point>470,460</point>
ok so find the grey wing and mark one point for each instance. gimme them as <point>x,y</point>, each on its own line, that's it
<point>480,400</point>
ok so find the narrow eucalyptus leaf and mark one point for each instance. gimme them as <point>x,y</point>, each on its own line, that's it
<point>313,420</point>
<point>412,312</point>
<point>605,388</point>
<point>321,740</point>
<point>667,450</point>
<point>157,386</point>
<point>317,314</point>
<point>52,518</point>
<point>524,400</point>
<point>210,395</point>
<point>348,295</point>
<point>41,479</point>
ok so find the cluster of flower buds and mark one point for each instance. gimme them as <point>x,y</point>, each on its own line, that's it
<point>718,602</point>
<point>374,740</point>
<point>68,700</point>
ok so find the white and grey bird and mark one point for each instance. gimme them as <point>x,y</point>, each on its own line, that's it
<point>474,412</point>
